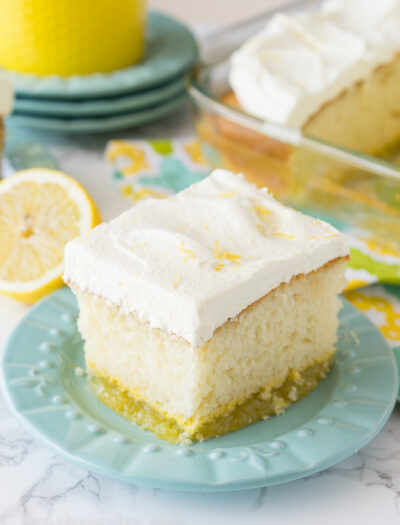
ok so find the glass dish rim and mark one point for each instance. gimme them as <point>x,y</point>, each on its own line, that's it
<point>202,97</point>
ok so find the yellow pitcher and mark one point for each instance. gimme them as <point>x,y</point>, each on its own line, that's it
<point>69,37</point>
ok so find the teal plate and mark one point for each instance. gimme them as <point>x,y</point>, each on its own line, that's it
<point>53,402</point>
<point>97,124</point>
<point>170,51</point>
<point>100,107</point>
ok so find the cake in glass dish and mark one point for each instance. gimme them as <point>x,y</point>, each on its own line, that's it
<point>6,98</point>
<point>333,73</point>
<point>209,310</point>
<point>281,96</point>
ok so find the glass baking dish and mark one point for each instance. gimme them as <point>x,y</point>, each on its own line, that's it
<point>343,186</point>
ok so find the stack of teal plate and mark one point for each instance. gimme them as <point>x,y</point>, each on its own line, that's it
<point>109,101</point>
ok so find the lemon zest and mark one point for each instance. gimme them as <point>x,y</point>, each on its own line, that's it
<point>222,255</point>
<point>189,254</point>
<point>226,194</point>
<point>262,212</point>
<point>138,245</point>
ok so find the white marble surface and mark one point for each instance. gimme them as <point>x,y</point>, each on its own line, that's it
<point>38,487</point>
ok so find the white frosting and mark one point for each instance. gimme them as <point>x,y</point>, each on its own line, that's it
<point>296,64</point>
<point>6,96</point>
<point>188,263</point>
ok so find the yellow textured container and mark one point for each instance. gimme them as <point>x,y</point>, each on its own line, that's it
<point>69,37</point>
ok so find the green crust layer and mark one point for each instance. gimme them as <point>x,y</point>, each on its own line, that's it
<point>296,385</point>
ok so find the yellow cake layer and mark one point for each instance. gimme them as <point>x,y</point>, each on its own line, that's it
<point>365,117</point>
<point>294,387</point>
<point>290,329</point>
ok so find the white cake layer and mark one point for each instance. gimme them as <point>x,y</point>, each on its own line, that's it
<point>292,328</point>
<point>188,263</point>
<point>297,63</point>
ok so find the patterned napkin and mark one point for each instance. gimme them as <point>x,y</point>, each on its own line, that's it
<point>158,168</point>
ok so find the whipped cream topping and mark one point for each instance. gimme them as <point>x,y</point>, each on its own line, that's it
<point>188,263</point>
<point>6,96</point>
<point>297,63</point>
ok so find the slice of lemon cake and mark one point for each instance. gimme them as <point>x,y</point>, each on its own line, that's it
<point>333,72</point>
<point>209,310</point>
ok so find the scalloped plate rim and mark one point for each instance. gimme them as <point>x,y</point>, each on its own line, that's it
<point>211,487</point>
<point>192,485</point>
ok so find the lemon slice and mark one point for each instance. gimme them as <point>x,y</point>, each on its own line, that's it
<point>40,211</point>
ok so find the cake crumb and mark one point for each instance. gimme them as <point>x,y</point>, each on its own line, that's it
<point>292,395</point>
<point>278,404</point>
<point>185,439</point>
<point>355,338</point>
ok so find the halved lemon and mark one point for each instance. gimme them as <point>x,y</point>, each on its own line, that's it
<point>40,211</point>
